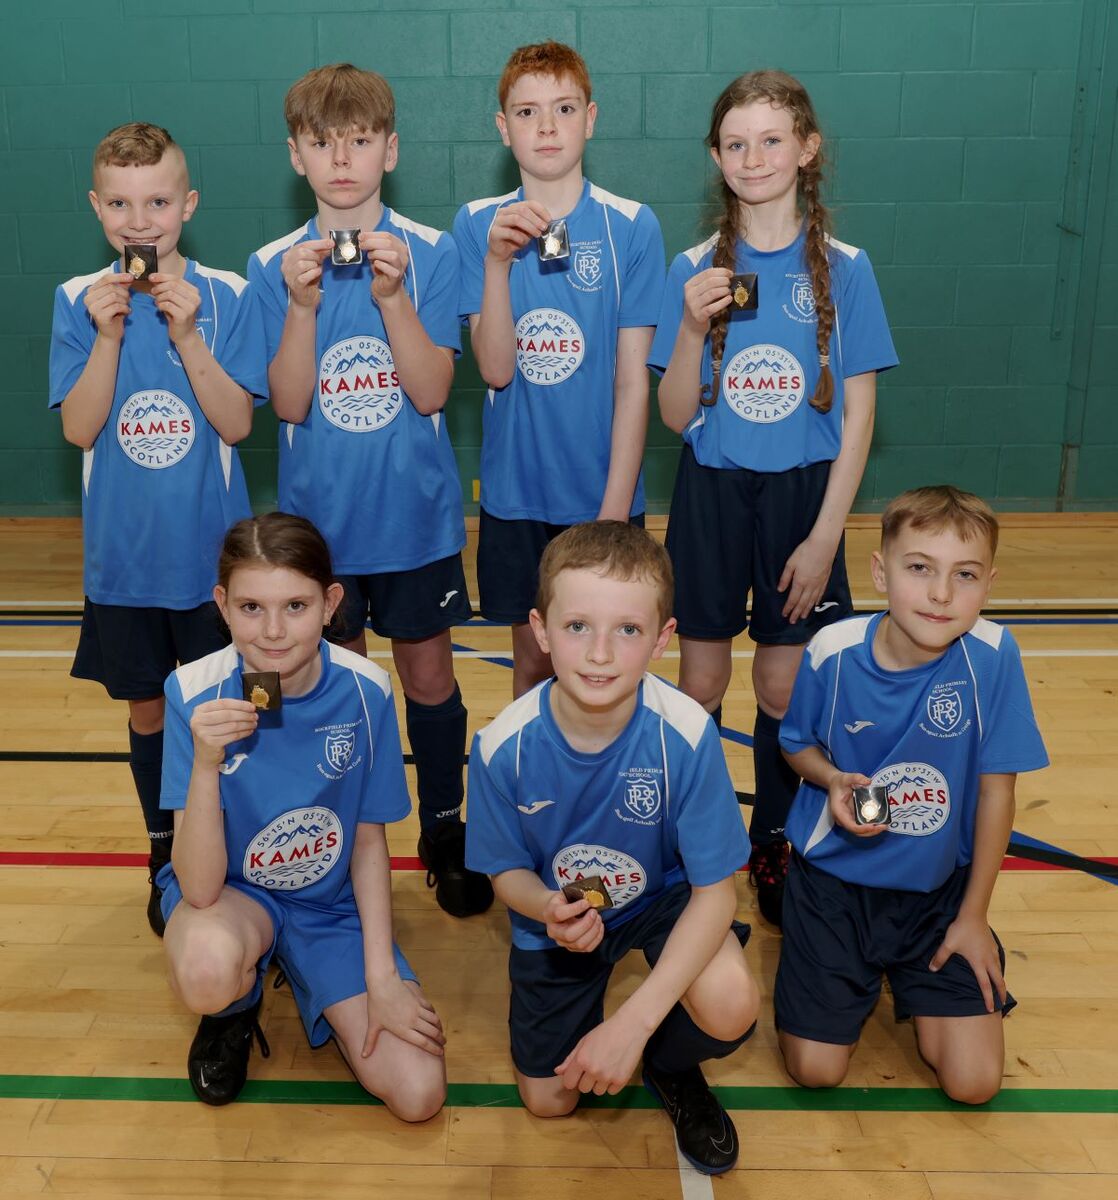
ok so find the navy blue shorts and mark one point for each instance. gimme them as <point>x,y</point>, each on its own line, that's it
<point>508,563</point>
<point>557,994</point>
<point>730,532</point>
<point>840,938</point>
<point>131,651</point>
<point>410,605</point>
<point>320,950</point>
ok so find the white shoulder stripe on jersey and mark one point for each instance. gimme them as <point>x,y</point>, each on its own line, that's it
<point>509,722</point>
<point>475,206</point>
<point>74,287</point>
<point>266,253</point>
<point>231,279</point>
<point>844,247</point>
<point>836,638</point>
<point>194,678</point>
<point>989,632</point>
<point>361,666</point>
<point>427,232</point>
<point>974,684</point>
<point>686,716</point>
<point>696,253</point>
<point>627,208</point>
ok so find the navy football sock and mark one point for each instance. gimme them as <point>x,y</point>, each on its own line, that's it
<point>679,1044</point>
<point>145,757</point>
<point>776,782</point>
<point>437,733</point>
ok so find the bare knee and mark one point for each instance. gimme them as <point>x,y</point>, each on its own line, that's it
<point>546,1097</point>
<point>416,1099</point>
<point>814,1064</point>
<point>976,1084</point>
<point>735,1015</point>
<point>208,970</point>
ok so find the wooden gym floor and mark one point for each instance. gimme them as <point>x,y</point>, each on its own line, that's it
<point>93,1099</point>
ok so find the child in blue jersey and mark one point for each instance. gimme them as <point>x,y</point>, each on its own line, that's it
<point>775,404</point>
<point>929,700</point>
<point>279,833</point>
<point>561,343</point>
<point>605,770</point>
<point>361,360</point>
<point>155,380</point>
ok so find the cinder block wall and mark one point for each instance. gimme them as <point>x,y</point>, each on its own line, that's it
<point>962,136</point>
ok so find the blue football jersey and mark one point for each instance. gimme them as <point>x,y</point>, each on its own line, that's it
<point>159,486</point>
<point>926,734</point>
<point>545,447</point>
<point>293,793</point>
<point>653,809</point>
<point>374,475</point>
<point>763,417</point>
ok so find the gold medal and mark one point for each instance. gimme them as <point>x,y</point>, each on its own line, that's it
<point>260,697</point>
<point>136,266</point>
<point>741,295</point>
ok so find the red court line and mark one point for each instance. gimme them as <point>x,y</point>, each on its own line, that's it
<point>75,858</point>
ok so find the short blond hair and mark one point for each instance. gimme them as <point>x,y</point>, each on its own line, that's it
<point>612,548</point>
<point>137,144</point>
<point>544,58</point>
<point>941,507</point>
<point>340,96</point>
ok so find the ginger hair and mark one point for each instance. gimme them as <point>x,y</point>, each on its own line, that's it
<point>781,91</point>
<point>544,58</point>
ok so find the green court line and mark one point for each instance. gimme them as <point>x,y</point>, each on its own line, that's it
<point>504,1095</point>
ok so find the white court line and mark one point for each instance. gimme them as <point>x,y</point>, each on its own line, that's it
<point>693,1184</point>
<point>1065,653</point>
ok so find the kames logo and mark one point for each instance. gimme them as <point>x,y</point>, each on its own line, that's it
<point>295,850</point>
<point>624,877</point>
<point>919,798</point>
<point>549,346</point>
<point>358,388</point>
<point>155,429</point>
<point>763,384</point>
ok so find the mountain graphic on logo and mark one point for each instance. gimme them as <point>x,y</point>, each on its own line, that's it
<point>545,327</point>
<point>762,364</point>
<point>160,409</point>
<point>602,864</point>
<point>919,778</point>
<point>370,360</point>
<point>303,831</point>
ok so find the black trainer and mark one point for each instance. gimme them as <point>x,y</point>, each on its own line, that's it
<point>218,1060</point>
<point>703,1130</point>
<point>158,858</point>
<point>460,892</point>
<point>768,869</point>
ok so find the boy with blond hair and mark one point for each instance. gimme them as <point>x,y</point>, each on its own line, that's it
<point>155,374</point>
<point>360,308</point>
<point>561,342</point>
<point>928,701</point>
<point>605,777</point>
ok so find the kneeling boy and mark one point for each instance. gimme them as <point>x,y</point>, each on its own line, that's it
<point>605,770</point>
<point>929,701</point>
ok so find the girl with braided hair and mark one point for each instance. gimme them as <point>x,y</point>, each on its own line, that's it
<point>771,383</point>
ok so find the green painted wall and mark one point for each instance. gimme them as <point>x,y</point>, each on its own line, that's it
<point>963,135</point>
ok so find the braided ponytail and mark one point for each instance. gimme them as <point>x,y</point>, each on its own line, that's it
<point>781,91</point>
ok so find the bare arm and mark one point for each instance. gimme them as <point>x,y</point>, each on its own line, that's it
<point>703,295</point>
<point>808,567</point>
<point>292,373</point>
<point>630,422</point>
<point>198,854</point>
<point>392,1004</point>
<point>88,403</point>
<point>493,331</point>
